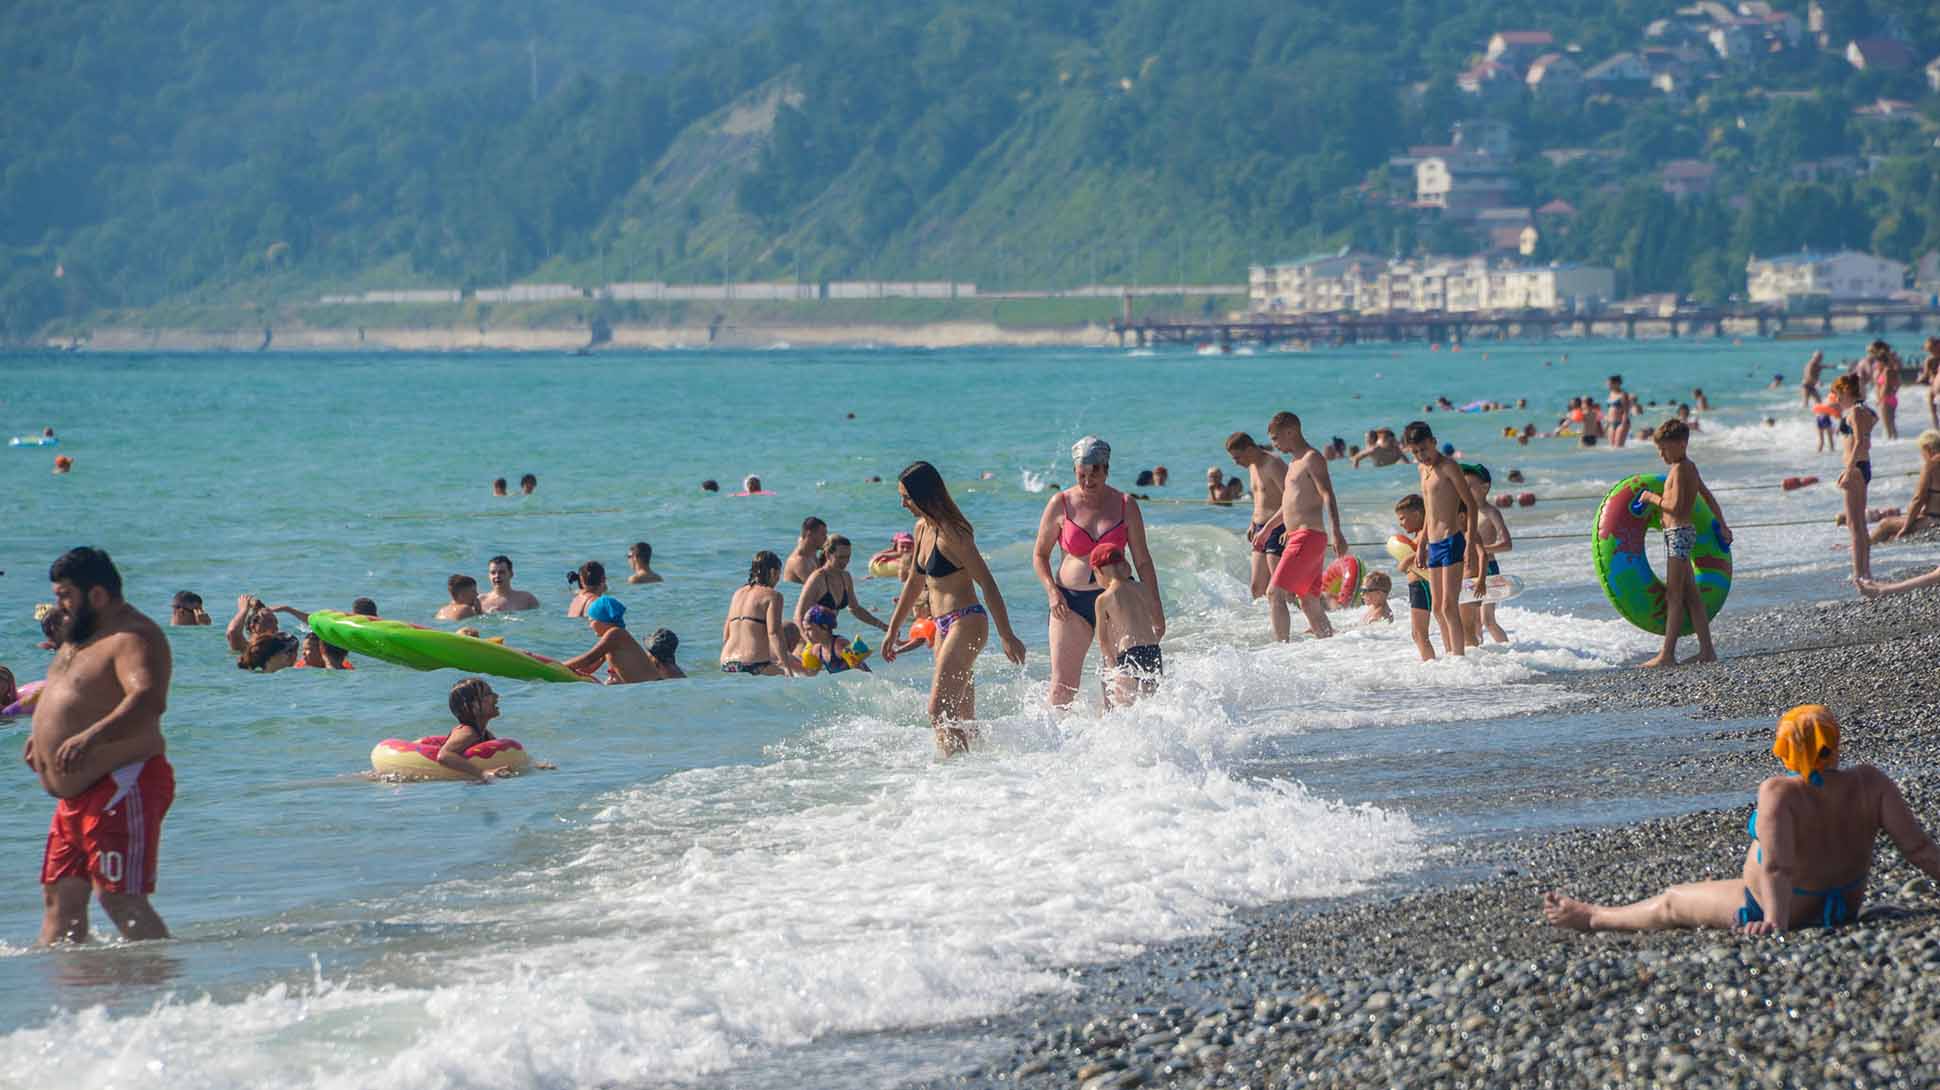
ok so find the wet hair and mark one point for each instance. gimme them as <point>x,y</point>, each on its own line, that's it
<point>662,645</point>
<point>1377,581</point>
<point>266,646</point>
<point>498,484</point>
<point>1417,431</point>
<point>1144,479</point>
<point>364,607</point>
<point>467,701</point>
<point>1283,420</point>
<point>186,599</point>
<point>459,582</point>
<point>1618,379</point>
<point>1410,502</point>
<point>86,568</point>
<point>1673,431</point>
<point>333,655</point>
<point>812,524</point>
<point>590,574</point>
<point>528,481</point>
<point>932,497</point>
<point>501,559</point>
<point>642,550</point>
<point>1239,441</point>
<point>710,485</point>
<point>764,570</point>
<point>836,541</point>
<point>1848,385</point>
<point>1929,440</point>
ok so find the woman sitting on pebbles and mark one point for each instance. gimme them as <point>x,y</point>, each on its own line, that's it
<point>1811,852</point>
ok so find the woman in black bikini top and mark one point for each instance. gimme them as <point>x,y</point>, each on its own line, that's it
<point>751,637</point>
<point>829,580</point>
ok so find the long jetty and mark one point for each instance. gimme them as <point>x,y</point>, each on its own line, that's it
<point>1440,328</point>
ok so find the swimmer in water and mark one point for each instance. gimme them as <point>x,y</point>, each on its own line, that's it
<point>752,637</point>
<point>589,582</point>
<point>253,618</point>
<point>528,484</point>
<point>474,705</point>
<point>821,647</point>
<point>503,597</point>
<point>832,587</point>
<point>807,554</point>
<point>269,652</point>
<point>463,590</point>
<point>640,559</point>
<point>661,647</point>
<point>187,609</point>
<point>498,487</point>
<point>625,660</point>
<point>1268,474</point>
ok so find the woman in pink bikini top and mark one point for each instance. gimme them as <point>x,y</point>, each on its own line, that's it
<point>1077,520</point>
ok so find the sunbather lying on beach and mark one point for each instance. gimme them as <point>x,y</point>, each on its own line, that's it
<point>1813,830</point>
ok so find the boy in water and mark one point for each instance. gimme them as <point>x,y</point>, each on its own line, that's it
<point>1268,474</point>
<point>1375,589</point>
<point>1492,533</point>
<point>1448,526</point>
<point>1128,636</point>
<point>1682,487</point>
<point>1410,512</point>
<point>464,599</point>
<point>626,661</point>
<point>1309,514</point>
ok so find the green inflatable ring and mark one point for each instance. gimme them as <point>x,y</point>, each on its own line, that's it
<point>430,649</point>
<point>1628,581</point>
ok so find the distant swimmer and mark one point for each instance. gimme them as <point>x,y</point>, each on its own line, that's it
<point>588,583</point>
<point>661,646</point>
<point>464,603</point>
<point>832,587</point>
<point>498,487</point>
<point>253,618</point>
<point>1075,521</point>
<point>615,648</point>
<point>1235,489</point>
<point>1617,412</point>
<point>363,607</point>
<point>269,652</point>
<point>1809,383</point>
<point>1268,474</point>
<point>1216,486</point>
<point>1310,515</point>
<point>807,554</point>
<point>752,641</point>
<point>186,609</point>
<point>1160,475</point>
<point>528,484</point>
<point>319,655</point>
<point>711,485</point>
<point>1813,832</point>
<point>503,597</point>
<point>640,558</point>
<point>62,463</point>
<point>751,486</point>
<point>1382,449</point>
<point>1130,623</point>
<point>97,746</point>
<point>947,566</point>
<point>1449,520</point>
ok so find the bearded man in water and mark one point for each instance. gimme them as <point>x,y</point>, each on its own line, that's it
<point>97,746</point>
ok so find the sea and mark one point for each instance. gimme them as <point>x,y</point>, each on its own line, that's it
<point>748,882</point>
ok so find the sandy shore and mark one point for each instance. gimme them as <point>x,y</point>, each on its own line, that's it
<point>463,338</point>
<point>1465,985</point>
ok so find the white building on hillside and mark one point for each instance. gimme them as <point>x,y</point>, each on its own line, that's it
<point>1846,275</point>
<point>1317,284</point>
<point>1428,285</point>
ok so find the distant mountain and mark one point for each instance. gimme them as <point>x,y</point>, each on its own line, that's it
<point>268,151</point>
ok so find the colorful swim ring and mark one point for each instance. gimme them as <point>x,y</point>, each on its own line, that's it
<point>34,441</point>
<point>419,760</point>
<point>886,569</point>
<point>1341,581</point>
<point>1628,581</point>
<point>432,649</point>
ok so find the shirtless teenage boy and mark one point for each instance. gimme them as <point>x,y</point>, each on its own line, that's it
<point>625,660</point>
<point>1268,475</point>
<point>808,551</point>
<point>464,599</point>
<point>1449,520</point>
<point>504,598</point>
<point>97,746</point>
<point>1306,490</point>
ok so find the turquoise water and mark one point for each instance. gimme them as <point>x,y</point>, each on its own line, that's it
<point>726,870</point>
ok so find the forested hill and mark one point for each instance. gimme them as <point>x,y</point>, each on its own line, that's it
<point>269,150</point>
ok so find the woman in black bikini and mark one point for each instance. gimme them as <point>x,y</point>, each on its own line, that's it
<point>1088,514</point>
<point>947,565</point>
<point>832,587</point>
<point>751,637</point>
<point>1856,425</point>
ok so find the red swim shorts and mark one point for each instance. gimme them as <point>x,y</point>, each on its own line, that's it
<point>112,832</point>
<point>1298,572</point>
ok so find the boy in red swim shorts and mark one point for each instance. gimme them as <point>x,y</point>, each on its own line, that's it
<point>1307,504</point>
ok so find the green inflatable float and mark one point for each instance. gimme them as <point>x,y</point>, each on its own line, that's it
<point>430,649</point>
<point>1628,581</point>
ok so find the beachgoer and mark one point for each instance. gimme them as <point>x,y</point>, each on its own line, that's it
<point>1381,449</point>
<point>463,590</point>
<point>832,587</point>
<point>186,609</point>
<point>1077,520</point>
<point>498,487</point>
<point>1809,381</point>
<point>503,597</point>
<point>948,568</point>
<point>1268,475</point>
<point>1308,513</point>
<point>1234,490</point>
<point>1492,533</point>
<point>474,705</point>
<point>1160,475</point>
<point>1375,588</point>
<point>1813,832</point>
<point>1450,514</point>
<point>1703,403</point>
<point>588,583</point>
<point>1618,412</point>
<point>751,638</point>
<point>625,660</point>
<point>1920,510</point>
<point>269,652</point>
<point>310,654</point>
<point>1886,373</point>
<point>1143,480</point>
<point>821,649</point>
<point>900,545</point>
<point>662,645</point>
<point>1930,378</point>
<point>362,607</point>
<point>807,554</point>
<point>52,624</point>
<point>1216,486</point>
<point>527,484</point>
<point>711,485</point>
<point>97,746</point>
<point>253,618</point>
<point>640,559</point>
<point>1856,425</point>
<point>1683,486</point>
<point>1129,629</point>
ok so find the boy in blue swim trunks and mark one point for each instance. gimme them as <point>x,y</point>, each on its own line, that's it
<point>1409,511</point>
<point>1447,527</point>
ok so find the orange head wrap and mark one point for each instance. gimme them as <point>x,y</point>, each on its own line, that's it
<point>1808,740</point>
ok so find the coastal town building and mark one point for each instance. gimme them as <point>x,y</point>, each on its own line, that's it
<point>1448,285</point>
<point>1463,186</point>
<point>1555,77</point>
<point>1516,49</point>
<point>1880,55</point>
<point>1839,277</point>
<point>1620,74</point>
<point>1316,284</point>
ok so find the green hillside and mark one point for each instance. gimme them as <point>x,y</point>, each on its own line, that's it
<point>219,152</point>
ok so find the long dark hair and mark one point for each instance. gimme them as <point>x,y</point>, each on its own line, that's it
<point>932,497</point>
<point>759,571</point>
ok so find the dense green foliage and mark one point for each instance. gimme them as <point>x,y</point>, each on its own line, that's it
<point>215,149</point>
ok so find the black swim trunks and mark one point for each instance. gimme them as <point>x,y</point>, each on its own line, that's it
<point>1418,595</point>
<point>1276,542</point>
<point>1145,659</point>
